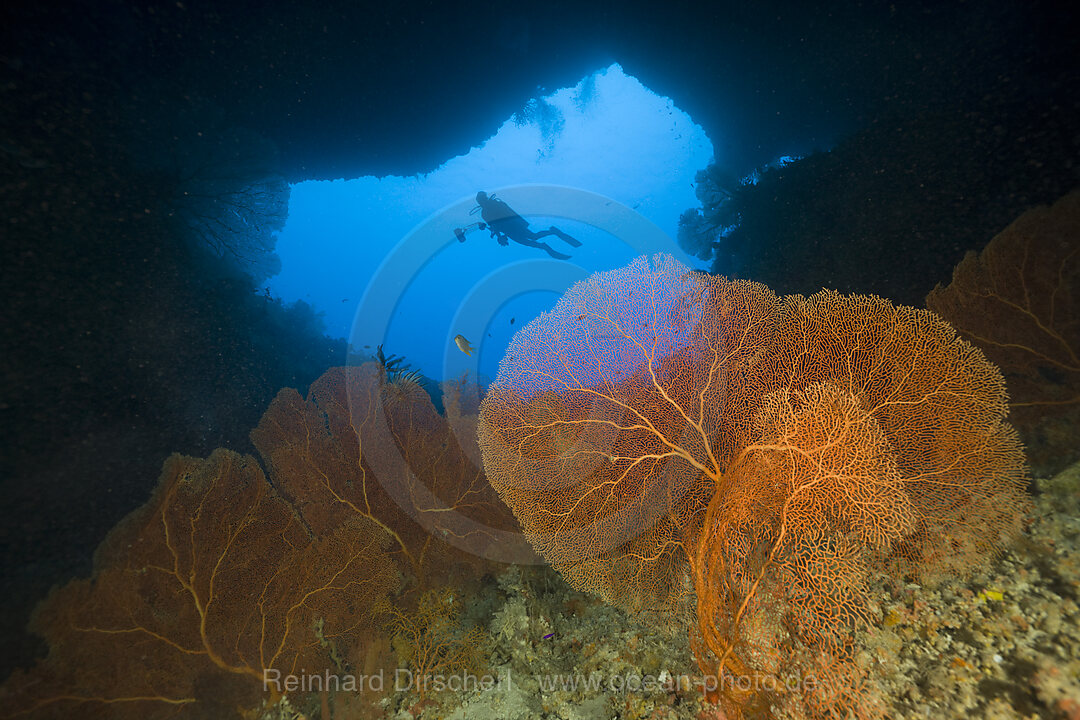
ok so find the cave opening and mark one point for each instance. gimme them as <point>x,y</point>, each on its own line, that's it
<point>608,135</point>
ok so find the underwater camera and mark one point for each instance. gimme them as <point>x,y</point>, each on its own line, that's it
<point>459,233</point>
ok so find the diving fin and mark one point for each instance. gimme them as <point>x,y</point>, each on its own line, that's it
<point>564,237</point>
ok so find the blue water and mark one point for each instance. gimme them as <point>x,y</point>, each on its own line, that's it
<point>609,136</point>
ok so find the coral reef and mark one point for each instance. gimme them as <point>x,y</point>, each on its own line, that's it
<point>554,652</point>
<point>661,426</point>
<point>1002,643</point>
<point>213,585</point>
<point>1019,300</point>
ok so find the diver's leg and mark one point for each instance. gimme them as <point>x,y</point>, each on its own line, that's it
<point>540,246</point>
<point>565,238</point>
<point>557,233</point>
<point>553,253</point>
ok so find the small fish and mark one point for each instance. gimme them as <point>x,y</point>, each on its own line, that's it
<point>511,321</point>
<point>995,595</point>
<point>549,636</point>
<point>463,344</point>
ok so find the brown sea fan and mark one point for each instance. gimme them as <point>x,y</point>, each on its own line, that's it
<point>198,596</point>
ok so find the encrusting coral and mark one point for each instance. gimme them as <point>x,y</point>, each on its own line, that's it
<point>661,430</point>
<point>1019,300</point>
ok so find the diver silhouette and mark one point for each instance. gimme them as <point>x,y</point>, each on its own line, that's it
<point>505,225</point>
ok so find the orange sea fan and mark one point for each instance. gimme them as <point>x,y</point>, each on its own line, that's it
<point>661,425</point>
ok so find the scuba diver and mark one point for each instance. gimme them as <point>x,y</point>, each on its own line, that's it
<point>505,225</point>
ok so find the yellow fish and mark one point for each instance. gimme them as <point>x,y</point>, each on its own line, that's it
<point>463,345</point>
